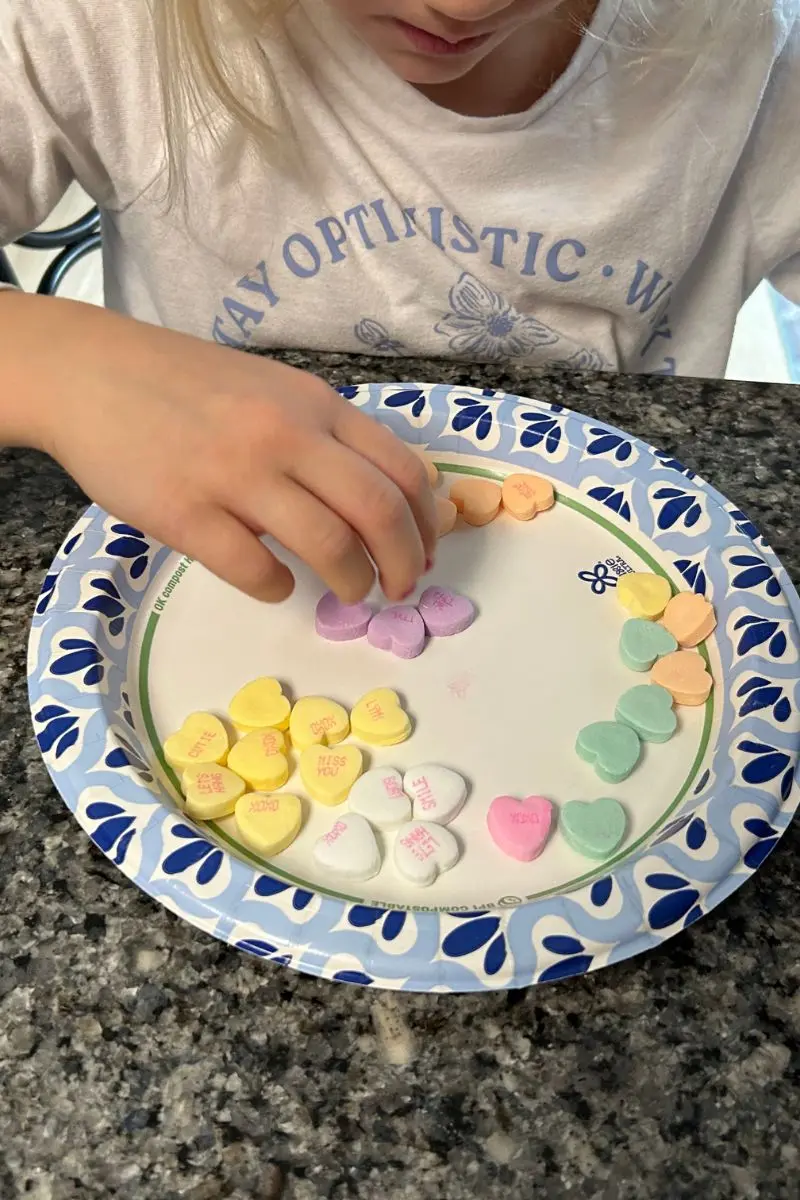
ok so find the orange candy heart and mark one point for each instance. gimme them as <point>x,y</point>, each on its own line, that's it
<point>689,618</point>
<point>430,466</point>
<point>685,676</point>
<point>478,500</point>
<point>446,513</point>
<point>526,495</point>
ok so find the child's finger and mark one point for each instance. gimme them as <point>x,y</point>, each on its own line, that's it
<point>305,525</point>
<point>221,542</point>
<point>390,455</point>
<point>373,506</point>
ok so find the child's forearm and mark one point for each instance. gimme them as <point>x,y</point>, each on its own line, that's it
<point>36,334</point>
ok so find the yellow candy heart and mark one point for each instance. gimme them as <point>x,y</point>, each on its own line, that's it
<point>211,792</point>
<point>202,738</point>
<point>643,594</point>
<point>268,824</point>
<point>260,705</point>
<point>260,759</point>
<point>316,721</point>
<point>379,718</point>
<point>330,774</point>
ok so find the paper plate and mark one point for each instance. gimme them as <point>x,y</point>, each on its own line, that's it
<point>128,638</point>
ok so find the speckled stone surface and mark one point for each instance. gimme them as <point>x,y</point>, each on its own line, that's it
<point>140,1059</point>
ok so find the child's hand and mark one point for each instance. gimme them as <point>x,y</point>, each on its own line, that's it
<point>205,449</point>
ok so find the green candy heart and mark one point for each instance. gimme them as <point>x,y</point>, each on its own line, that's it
<point>614,749</point>
<point>595,830</point>
<point>642,642</point>
<point>648,710</point>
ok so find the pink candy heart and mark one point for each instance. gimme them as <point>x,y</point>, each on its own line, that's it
<point>399,629</point>
<point>445,612</point>
<point>520,828</point>
<point>339,622</point>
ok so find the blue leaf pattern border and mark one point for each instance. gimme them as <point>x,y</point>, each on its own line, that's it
<point>79,689</point>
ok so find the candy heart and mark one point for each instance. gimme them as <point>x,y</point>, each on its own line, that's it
<point>438,793</point>
<point>520,828</point>
<point>478,500</point>
<point>378,796</point>
<point>379,719</point>
<point>445,612</point>
<point>211,792</point>
<point>268,824</point>
<point>430,466</point>
<point>595,830</point>
<point>339,622</point>
<point>446,513</point>
<point>642,642</point>
<point>398,628</point>
<point>423,850</point>
<point>648,710</point>
<point>526,495</point>
<point>685,676</point>
<point>614,749</point>
<point>329,774</point>
<point>689,618</point>
<point>260,705</point>
<point>316,721</point>
<point>261,760</point>
<point>349,849</point>
<point>202,738</point>
<point>643,594</point>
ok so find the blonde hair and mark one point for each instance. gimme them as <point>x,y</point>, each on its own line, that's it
<point>214,72</point>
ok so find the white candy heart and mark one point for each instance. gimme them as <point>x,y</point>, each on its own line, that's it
<point>349,849</point>
<point>378,795</point>
<point>423,850</point>
<point>438,793</point>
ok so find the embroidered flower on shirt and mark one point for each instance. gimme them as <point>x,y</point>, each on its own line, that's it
<point>376,336</point>
<point>484,325</point>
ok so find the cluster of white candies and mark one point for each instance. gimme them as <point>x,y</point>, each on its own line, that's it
<point>414,808</point>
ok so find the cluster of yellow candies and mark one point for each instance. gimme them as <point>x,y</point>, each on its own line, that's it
<point>221,776</point>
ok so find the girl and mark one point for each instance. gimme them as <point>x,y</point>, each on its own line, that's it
<point>598,183</point>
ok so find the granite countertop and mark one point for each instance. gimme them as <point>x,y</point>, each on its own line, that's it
<point>141,1059</point>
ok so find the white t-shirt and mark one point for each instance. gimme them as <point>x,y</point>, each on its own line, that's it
<point>563,234</point>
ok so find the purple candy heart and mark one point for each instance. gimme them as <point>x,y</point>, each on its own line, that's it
<point>399,629</point>
<point>339,622</point>
<point>445,612</point>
